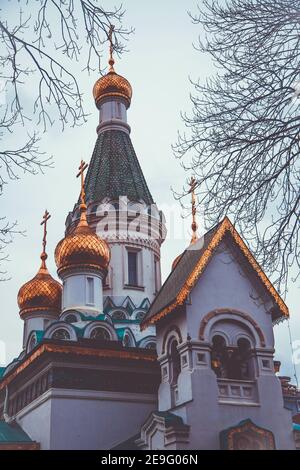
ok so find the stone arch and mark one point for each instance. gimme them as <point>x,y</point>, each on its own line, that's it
<point>61,325</point>
<point>100,324</point>
<point>69,313</point>
<point>31,342</point>
<point>235,313</point>
<point>128,338</point>
<point>147,341</point>
<point>172,331</point>
<point>119,313</point>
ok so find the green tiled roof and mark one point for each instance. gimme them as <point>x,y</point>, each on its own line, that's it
<point>90,317</point>
<point>2,370</point>
<point>115,171</point>
<point>10,433</point>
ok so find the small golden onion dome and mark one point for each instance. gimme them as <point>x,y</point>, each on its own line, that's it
<point>114,85</point>
<point>82,248</point>
<point>40,293</point>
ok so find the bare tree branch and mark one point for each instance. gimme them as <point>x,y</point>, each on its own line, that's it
<point>39,42</point>
<point>242,138</point>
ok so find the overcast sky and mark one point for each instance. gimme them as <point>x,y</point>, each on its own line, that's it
<point>158,64</point>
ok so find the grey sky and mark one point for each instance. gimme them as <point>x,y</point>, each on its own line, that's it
<point>158,65</point>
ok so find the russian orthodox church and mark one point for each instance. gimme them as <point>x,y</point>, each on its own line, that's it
<point>113,360</point>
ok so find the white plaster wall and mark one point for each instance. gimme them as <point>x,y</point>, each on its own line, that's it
<point>96,420</point>
<point>114,109</point>
<point>208,420</point>
<point>85,420</point>
<point>35,420</point>
<point>75,293</point>
<point>119,275</point>
<point>224,285</point>
<point>38,321</point>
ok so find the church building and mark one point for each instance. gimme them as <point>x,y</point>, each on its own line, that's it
<point>112,359</point>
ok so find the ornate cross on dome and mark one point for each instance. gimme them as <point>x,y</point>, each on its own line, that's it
<point>46,217</point>
<point>111,48</point>
<point>194,225</point>
<point>82,167</point>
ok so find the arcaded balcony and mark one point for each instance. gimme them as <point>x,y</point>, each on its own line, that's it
<point>237,391</point>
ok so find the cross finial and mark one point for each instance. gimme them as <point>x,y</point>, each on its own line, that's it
<point>82,167</point>
<point>111,48</point>
<point>194,225</point>
<point>44,256</point>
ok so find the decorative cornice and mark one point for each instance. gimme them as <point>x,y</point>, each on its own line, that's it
<point>78,350</point>
<point>225,227</point>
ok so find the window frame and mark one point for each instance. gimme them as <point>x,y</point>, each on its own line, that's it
<point>90,290</point>
<point>138,284</point>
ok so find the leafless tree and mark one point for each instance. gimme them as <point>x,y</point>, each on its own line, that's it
<point>242,138</point>
<point>39,42</point>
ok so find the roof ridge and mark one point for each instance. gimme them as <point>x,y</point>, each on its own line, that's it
<point>195,264</point>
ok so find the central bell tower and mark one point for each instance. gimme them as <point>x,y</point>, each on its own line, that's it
<point>121,209</point>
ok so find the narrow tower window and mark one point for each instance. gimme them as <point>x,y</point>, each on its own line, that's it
<point>118,110</point>
<point>156,274</point>
<point>132,268</point>
<point>175,362</point>
<point>90,291</point>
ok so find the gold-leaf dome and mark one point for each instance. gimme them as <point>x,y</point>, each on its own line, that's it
<point>110,85</point>
<point>82,248</point>
<point>40,293</point>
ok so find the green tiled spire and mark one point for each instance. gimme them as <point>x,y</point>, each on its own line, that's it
<point>115,171</point>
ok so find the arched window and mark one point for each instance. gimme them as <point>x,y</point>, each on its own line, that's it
<point>71,318</point>
<point>118,315</point>
<point>61,333</point>
<point>127,342</point>
<point>140,316</point>
<point>32,342</point>
<point>175,361</point>
<point>100,333</point>
<point>219,356</point>
<point>151,345</point>
<point>231,362</point>
<point>239,364</point>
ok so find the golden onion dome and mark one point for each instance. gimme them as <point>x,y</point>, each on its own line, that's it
<point>82,248</point>
<point>40,293</point>
<point>114,85</point>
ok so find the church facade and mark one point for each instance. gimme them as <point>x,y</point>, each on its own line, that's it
<point>113,360</point>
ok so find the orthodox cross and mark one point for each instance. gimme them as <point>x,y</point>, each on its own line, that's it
<point>194,225</point>
<point>46,217</point>
<point>82,167</point>
<point>111,48</point>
